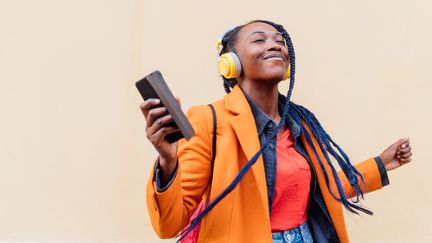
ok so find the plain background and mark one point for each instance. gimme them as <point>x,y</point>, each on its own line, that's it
<point>74,160</point>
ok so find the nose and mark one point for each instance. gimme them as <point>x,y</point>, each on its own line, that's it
<point>274,46</point>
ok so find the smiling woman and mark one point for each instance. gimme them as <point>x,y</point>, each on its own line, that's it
<point>264,53</point>
<point>272,179</point>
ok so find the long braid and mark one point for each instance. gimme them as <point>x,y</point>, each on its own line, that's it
<point>227,86</point>
<point>326,144</point>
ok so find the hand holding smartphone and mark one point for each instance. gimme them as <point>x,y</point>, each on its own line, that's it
<point>154,86</point>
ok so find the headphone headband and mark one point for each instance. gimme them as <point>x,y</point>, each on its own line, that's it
<point>220,41</point>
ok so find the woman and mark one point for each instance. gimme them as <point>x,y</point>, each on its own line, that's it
<point>291,193</point>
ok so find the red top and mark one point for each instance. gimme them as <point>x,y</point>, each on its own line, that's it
<point>293,178</point>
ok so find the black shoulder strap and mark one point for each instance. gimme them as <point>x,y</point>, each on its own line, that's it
<point>214,138</point>
<point>214,133</point>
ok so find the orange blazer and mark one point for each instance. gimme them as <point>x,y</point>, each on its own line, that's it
<point>243,215</point>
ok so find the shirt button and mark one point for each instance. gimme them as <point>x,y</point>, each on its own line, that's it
<point>271,146</point>
<point>270,125</point>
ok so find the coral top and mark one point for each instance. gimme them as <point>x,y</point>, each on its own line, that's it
<point>293,178</point>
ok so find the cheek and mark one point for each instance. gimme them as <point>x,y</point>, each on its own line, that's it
<point>286,53</point>
<point>249,59</point>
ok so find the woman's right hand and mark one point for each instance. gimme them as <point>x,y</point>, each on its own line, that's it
<point>156,119</point>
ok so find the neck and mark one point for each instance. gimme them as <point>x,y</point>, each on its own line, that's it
<point>265,96</point>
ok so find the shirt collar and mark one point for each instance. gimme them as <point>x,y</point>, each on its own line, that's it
<point>261,119</point>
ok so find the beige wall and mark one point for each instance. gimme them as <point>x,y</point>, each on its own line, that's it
<point>74,159</point>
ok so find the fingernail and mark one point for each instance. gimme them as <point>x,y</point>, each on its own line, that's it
<point>156,101</point>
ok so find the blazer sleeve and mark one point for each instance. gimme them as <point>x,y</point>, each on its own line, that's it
<point>170,210</point>
<point>374,177</point>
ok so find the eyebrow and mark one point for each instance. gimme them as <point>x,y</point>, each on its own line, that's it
<point>262,32</point>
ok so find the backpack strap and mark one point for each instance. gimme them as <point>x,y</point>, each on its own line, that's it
<point>214,134</point>
<point>213,145</point>
<point>194,234</point>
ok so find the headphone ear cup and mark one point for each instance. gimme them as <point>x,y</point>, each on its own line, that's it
<point>229,65</point>
<point>288,73</point>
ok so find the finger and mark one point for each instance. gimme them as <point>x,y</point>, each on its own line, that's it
<point>178,101</point>
<point>155,114</point>
<point>147,104</point>
<point>159,123</point>
<point>400,142</point>
<point>404,161</point>
<point>405,156</point>
<point>404,150</point>
<point>405,144</point>
<point>395,145</point>
<point>159,136</point>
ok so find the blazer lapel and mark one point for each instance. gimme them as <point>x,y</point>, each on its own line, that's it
<point>244,126</point>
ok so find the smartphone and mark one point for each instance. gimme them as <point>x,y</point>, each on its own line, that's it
<point>154,86</point>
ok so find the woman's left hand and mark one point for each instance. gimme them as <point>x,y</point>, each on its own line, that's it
<point>397,154</point>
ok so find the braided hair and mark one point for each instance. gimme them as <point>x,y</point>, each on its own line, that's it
<point>299,113</point>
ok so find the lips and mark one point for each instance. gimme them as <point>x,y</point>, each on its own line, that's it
<point>274,56</point>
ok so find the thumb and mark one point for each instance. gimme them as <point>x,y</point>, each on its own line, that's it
<point>399,143</point>
<point>178,101</point>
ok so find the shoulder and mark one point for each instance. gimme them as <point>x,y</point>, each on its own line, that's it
<point>204,111</point>
<point>200,116</point>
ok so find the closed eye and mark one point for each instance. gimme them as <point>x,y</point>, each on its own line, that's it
<point>263,40</point>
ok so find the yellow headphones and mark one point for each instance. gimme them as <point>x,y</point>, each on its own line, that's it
<point>229,64</point>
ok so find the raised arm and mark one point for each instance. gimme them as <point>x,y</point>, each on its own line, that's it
<point>171,202</point>
<point>374,170</point>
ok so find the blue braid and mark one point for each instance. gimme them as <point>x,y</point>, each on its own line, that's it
<point>325,141</point>
<point>297,119</point>
<point>349,170</point>
<point>345,156</point>
<point>347,204</point>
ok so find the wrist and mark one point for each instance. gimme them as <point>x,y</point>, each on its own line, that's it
<point>383,162</point>
<point>167,167</point>
<point>382,171</point>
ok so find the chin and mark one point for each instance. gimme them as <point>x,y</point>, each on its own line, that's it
<point>274,77</point>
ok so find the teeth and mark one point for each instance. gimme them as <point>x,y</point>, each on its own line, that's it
<point>275,58</point>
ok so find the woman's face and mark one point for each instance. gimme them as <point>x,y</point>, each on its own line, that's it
<point>262,52</point>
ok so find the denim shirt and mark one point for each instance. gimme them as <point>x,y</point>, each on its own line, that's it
<point>266,126</point>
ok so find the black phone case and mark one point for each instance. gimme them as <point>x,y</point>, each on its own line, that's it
<point>154,86</point>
